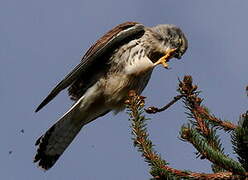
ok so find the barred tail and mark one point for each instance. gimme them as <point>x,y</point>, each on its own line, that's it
<point>54,142</point>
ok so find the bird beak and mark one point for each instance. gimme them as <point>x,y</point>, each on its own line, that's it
<point>168,55</point>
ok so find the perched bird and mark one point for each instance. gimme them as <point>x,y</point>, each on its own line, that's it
<point>121,60</point>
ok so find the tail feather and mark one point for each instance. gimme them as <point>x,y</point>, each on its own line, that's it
<point>54,142</point>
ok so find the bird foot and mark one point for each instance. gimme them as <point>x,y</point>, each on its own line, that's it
<point>163,60</point>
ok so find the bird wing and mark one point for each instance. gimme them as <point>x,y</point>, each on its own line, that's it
<point>106,42</point>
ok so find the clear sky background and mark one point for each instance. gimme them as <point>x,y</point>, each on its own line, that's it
<point>41,41</point>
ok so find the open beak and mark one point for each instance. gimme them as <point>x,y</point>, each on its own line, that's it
<point>166,58</point>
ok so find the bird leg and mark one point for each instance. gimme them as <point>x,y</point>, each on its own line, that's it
<point>163,60</point>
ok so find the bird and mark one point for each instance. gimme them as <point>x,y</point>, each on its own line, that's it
<point>120,61</point>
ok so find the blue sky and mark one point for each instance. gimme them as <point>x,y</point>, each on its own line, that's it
<point>41,41</point>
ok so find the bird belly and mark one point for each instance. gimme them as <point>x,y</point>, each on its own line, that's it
<point>111,90</point>
<point>117,87</point>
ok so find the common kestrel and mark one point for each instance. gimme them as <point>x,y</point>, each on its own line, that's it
<point>121,60</point>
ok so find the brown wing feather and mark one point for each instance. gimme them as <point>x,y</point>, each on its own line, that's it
<point>100,67</point>
<point>109,40</point>
<point>105,38</point>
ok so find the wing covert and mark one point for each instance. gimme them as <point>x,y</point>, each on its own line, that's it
<point>106,42</point>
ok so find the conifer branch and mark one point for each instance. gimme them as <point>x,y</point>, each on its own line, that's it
<point>193,103</point>
<point>202,120</point>
<point>160,169</point>
<point>153,110</point>
<point>215,156</point>
<point>240,140</point>
<point>199,112</point>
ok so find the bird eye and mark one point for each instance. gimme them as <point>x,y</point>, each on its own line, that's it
<point>178,42</point>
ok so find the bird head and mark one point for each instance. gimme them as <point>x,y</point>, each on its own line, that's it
<point>167,41</point>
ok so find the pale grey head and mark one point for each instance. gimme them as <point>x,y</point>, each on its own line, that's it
<point>165,37</point>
